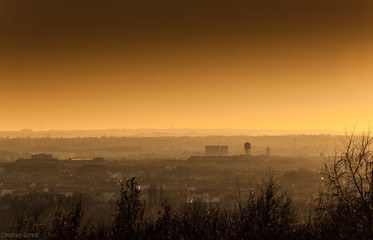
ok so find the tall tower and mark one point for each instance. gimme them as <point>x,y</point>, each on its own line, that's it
<point>247,147</point>
<point>268,151</point>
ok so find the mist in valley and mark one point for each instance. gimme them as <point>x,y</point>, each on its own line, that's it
<point>46,179</point>
<point>186,119</point>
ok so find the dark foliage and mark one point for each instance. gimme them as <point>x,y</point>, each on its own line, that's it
<point>268,213</point>
<point>66,223</point>
<point>129,215</point>
<point>28,222</point>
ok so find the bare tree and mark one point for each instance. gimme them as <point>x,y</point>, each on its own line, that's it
<point>345,206</point>
<point>269,212</point>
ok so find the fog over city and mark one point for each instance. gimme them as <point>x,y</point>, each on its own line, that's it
<point>186,119</point>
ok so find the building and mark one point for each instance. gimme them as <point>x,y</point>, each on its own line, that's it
<point>37,159</point>
<point>218,150</point>
<point>43,158</point>
<point>216,158</point>
<point>219,153</point>
<point>85,160</point>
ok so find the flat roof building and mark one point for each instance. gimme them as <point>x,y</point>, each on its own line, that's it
<point>48,159</point>
<point>219,150</point>
<point>38,158</point>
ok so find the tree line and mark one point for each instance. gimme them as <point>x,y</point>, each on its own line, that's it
<point>342,210</point>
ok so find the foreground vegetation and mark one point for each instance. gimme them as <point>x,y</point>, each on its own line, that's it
<point>343,210</point>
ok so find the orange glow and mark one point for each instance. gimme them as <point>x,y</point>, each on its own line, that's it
<point>261,77</point>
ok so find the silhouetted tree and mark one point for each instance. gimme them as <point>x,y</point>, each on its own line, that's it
<point>129,214</point>
<point>206,221</point>
<point>268,213</point>
<point>345,206</point>
<point>28,222</point>
<point>66,223</point>
<point>167,226</point>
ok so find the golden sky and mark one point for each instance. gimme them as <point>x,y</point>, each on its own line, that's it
<point>296,65</point>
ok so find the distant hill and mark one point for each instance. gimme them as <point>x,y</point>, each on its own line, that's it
<point>25,133</point>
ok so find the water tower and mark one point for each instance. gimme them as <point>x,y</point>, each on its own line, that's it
<point>247,147</point>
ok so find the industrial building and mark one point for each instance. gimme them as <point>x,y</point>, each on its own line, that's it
<point>220,153</point>
<point>37,159</point>
<point>95,160</point>
<point>43,158</point>
<point>216,150</point>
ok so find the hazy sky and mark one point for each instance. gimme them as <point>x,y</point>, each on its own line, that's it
<point>188,64</point>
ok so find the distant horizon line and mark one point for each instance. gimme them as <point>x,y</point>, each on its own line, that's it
<point>168,128</point>
<point>278,131</point>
